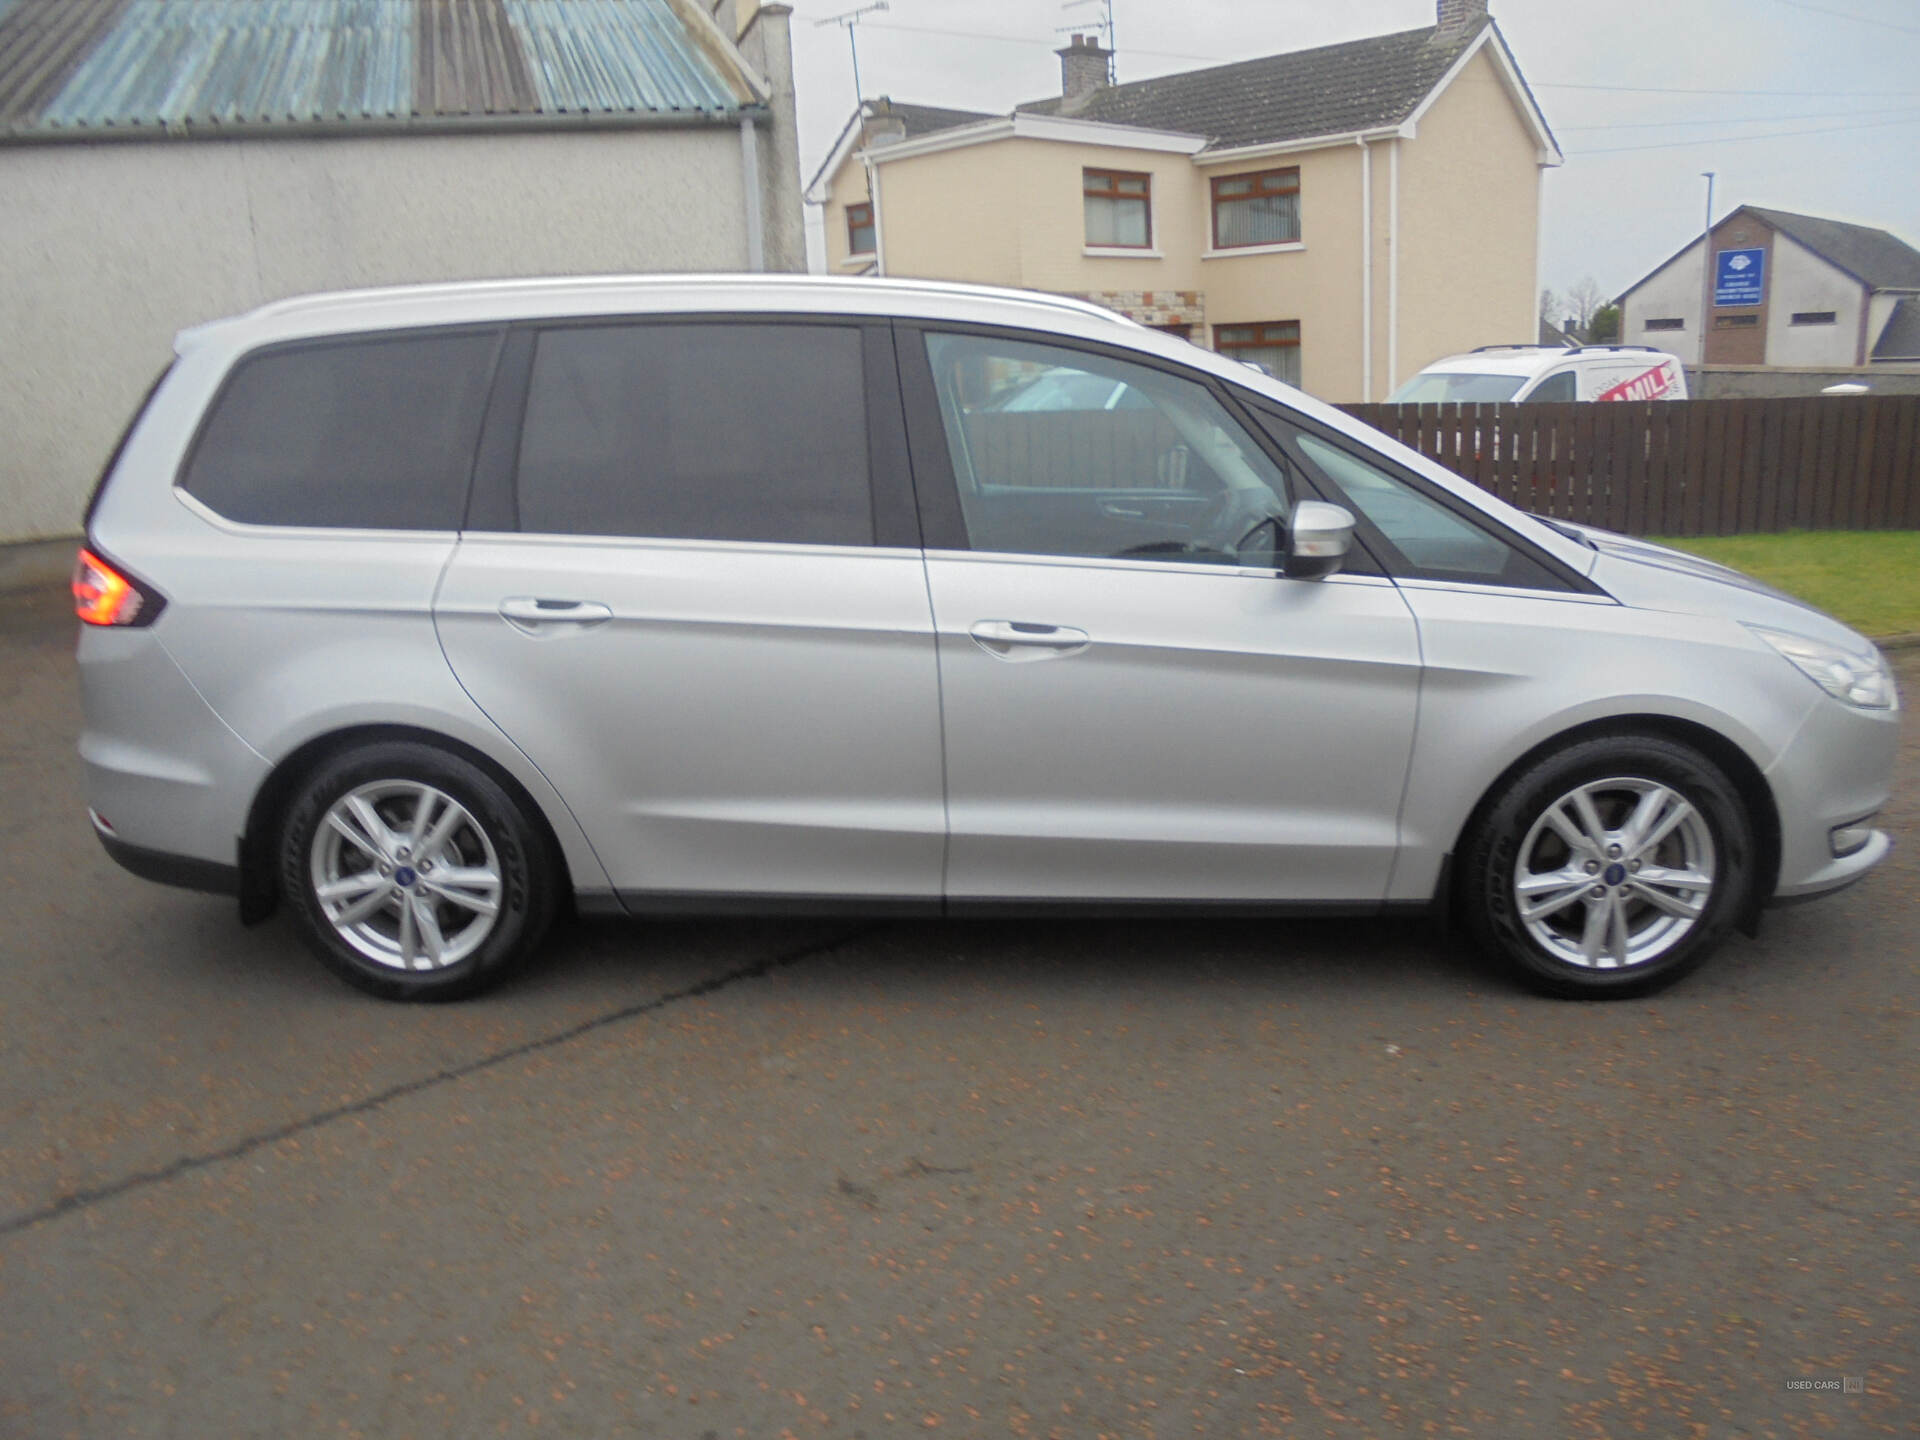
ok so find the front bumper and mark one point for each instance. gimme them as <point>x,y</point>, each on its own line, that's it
<point>1836,770</point>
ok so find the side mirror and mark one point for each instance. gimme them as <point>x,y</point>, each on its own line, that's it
<point>1318,540</point>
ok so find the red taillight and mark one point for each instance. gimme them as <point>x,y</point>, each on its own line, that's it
<point>104,596</point>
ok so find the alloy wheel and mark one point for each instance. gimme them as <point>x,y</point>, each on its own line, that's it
<point>1615,873</point>
<point>405,875</point>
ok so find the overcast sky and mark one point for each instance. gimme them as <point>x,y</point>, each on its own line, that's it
<point>1643,95</point>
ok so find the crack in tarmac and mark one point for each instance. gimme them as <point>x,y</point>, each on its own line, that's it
<point>79,1200</point>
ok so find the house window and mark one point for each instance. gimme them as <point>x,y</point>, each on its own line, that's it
<point>1670,323</point>
<point>1814,317</point>
<point>1261,209</point>
<point>1274,346</point>
<point>1118,209</point>
<point>860,229</point>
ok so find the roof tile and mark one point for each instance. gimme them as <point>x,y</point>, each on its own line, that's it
<point>1332,90</point>
<point>1879,259</point>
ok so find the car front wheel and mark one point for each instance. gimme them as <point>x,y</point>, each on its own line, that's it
<point>413,874</point>
<point>1611,868</point>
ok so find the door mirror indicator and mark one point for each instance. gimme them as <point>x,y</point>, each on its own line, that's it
<point>1318,541</point>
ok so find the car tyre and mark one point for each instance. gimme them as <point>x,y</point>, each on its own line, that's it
<point>1608,869</point>
<point>413,874</point>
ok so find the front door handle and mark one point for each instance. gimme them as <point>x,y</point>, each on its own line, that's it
<point>533,615</point>
<point>1022,640</point>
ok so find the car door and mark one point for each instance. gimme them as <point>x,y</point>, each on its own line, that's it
<point>1137,707</point>
<point>691,591</point>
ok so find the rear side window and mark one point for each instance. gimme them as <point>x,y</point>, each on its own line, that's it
<point>374,434</point>
<point>715,431</point>
<point>1554,388</point>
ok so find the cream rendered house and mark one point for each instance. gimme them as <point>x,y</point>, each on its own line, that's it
<point>1343,215</point>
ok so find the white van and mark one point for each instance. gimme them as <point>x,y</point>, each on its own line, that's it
<point>1494,374</point>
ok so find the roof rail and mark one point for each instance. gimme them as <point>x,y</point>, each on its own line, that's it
<point>327,300</point>
<point>1653,349</point>
<point>1520,345</point>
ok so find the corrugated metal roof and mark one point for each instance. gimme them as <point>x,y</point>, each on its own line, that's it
<point>615,55</point>
<point>467,59</point>
<point>40,44</point>
<point>93,68</point>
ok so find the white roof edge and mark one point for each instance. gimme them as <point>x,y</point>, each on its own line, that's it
<point>1000,127</point>
<point>1028,125</point>
<point>1287,147</point>
<point>1547,148</point>
<point>816,191</point>
<point>1023,125</point>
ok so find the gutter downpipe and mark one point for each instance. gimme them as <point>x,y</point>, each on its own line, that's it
<point>1366,269</point>
<point>750,177</point>
<point>879,230</point>
<point>1393,266</point>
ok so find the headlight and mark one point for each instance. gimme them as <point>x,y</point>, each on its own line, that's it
<point>1862,680</point>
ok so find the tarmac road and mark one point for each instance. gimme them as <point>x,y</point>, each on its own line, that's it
<point>1062,1179</point>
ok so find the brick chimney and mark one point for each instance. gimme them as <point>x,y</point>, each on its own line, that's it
<point>1459,16</point>
<point>1083,69</point>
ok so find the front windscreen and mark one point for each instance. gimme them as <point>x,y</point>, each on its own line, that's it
<point>1457,389</point>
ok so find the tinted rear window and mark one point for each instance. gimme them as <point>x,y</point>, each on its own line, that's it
<point>722,431</point>
<point>365,434</point>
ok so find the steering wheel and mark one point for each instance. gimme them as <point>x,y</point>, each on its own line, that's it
<point>1230,519</point>
<point>1234,519</point>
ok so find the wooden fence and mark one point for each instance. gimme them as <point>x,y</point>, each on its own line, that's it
<point>1692,467</point>
<point>1067,449</point>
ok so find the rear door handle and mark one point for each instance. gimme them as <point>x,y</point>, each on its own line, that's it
<point>1022,640</point>
<point>531,615</point>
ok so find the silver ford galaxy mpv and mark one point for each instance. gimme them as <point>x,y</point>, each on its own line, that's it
<point>429,612</point>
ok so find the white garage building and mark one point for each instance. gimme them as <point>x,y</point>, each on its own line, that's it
<point>164,162</point>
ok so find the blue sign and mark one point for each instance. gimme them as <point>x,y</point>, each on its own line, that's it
<point>1739,277</point>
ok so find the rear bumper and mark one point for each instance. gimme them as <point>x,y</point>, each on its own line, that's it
<point>163,773</point>
<point>186,871</point>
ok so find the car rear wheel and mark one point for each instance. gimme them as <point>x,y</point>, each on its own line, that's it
<point>413,874</point>
<point>1609,869</point>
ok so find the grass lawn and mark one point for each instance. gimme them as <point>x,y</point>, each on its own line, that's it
<point>1869,578</point>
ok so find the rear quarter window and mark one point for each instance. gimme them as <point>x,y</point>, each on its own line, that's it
<point>370,434</point>
<point>720,430</point>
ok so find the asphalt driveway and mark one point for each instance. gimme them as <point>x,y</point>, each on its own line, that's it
<point>1063,1179</point>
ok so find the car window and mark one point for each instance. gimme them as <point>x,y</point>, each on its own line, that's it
<point>1554,388</point>
<point>1442,389</point>
<point>716,431</point>
<point>1144,465</point>
<point>1065,389</point>
<point>371,434</point>
<point>1428,539</point>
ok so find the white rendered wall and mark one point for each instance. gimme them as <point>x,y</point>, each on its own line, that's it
<point>110,249</point>
<point>1670,291</point>
<point>1801,282</point>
